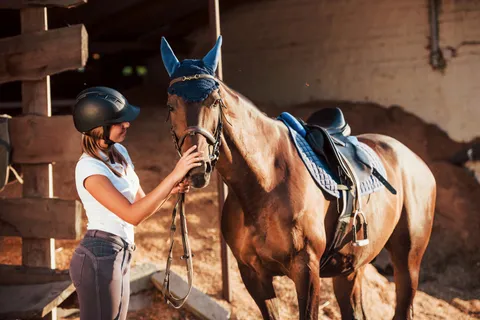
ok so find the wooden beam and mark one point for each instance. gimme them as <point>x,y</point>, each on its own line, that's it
<point>33,301</point>
<point>140,277</point>
<point>198,303</point>
<point>35,55</point>
<point>214,14</point>
<point>38,179</point>
<point>20,4</point>
<point>21,275</point>
<point>39,139</point>
<point>40,218</point>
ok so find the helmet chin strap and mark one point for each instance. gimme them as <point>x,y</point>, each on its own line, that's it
<point>106,138</point>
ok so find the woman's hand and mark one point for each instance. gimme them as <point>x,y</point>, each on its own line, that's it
<point>182,187</point>
<point>187,162</point>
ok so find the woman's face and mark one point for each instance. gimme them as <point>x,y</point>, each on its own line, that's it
<point>118,132</point>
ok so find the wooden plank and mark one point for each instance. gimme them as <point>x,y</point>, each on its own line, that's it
<point>40,218</point>
<point>140,277</point>
<point>20,4</point>
<point>21,275</point>
<point>35,55</point>
<point>36,139</point>
<point>200,304</point>
<point>32,301</point>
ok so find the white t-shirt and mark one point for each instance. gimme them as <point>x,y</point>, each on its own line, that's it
<point>99,217</point>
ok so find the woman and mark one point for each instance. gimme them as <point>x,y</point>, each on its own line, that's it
<point>114,202</point>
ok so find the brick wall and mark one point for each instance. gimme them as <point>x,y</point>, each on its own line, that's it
<point>293,51</point>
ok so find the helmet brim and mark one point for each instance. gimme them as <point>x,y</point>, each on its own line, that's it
<point>130,113</point>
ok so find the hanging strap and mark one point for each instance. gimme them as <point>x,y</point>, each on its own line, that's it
<point>176,302</point>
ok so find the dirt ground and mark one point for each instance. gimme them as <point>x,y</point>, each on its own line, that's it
<point>450,278</point>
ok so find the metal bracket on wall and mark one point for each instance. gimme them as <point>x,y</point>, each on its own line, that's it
<point>437,60</point>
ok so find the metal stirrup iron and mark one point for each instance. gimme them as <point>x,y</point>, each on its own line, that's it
<point>358,213</point>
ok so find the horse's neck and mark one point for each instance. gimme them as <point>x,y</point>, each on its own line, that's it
<point>249,144</point>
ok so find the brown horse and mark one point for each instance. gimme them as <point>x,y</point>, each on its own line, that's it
<point>277,221</point>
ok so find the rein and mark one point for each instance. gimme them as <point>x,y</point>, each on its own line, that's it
<point>177,303</point>
<point>214,142</point>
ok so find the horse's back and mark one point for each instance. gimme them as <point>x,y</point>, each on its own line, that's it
<point>395,153</point>
<point>416,183</point>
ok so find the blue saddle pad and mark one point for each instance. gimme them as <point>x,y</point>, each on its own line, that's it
<point>320,171</point>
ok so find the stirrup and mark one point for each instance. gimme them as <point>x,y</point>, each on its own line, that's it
<point>362,242</point>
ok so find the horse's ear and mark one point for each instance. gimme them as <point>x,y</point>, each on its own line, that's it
<point>211,58</point>
<point>170,61</point>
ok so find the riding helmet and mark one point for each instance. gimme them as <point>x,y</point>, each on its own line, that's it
<point>102,107</point>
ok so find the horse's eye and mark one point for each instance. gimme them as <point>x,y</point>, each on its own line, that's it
<point>170,107</point>
<point>215,103</point>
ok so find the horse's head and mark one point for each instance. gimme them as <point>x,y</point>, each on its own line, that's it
<point>195,107</point>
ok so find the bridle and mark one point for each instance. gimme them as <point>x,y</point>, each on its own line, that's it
<point>214,142</point>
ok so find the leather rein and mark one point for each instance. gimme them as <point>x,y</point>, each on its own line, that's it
<point>214,142</point>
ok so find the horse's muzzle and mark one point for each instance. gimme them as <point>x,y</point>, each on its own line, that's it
<point>200,177</point>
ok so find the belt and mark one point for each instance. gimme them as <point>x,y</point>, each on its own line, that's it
<point>112,238</point>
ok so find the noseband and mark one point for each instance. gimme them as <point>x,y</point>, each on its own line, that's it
<point>214,140</point>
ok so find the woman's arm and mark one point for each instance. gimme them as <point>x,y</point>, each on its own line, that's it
<point>179,188</point>
<point>101,188</point>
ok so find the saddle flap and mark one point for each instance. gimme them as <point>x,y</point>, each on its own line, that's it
<point>5,149</point>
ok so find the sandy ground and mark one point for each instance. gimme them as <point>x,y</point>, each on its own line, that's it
<point>449,287</point>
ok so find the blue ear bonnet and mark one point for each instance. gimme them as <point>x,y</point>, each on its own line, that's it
<point>193,90</point>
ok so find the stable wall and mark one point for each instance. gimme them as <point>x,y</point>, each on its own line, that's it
<point>294,51</point>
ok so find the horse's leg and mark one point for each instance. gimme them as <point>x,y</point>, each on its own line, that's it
<point>262,291</point>
<point>305,274</point>
<point>348,291</point>
<point>407,245</point>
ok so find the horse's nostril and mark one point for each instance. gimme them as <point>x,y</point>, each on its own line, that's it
<point>198,181</point>
<point>208,167</point>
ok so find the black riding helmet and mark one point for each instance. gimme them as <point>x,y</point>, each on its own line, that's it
<point>102,107</point>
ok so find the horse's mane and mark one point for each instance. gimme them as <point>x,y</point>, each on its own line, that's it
<point>240,97</point>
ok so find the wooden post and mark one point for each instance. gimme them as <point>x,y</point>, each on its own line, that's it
<point>214,11</point>
<point>37,177</point>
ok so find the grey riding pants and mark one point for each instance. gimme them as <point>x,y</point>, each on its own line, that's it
<point>100,271</point>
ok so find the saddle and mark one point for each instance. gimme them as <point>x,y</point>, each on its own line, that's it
<point>328,135</point>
